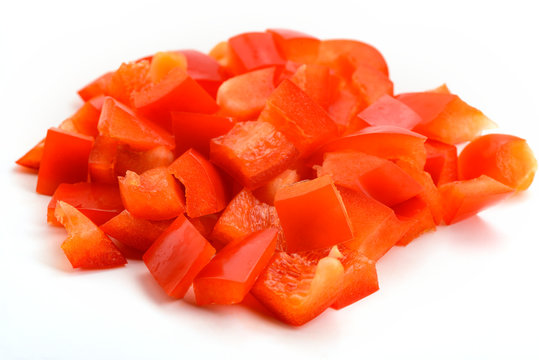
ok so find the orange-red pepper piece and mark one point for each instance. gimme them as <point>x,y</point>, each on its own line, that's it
<point>296,46</point>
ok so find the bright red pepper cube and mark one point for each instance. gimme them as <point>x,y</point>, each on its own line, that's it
<point>65,160</point>
<point>312,215</point>
<point>177,256</point>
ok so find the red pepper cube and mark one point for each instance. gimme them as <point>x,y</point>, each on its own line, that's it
<point>312,215</point>
<point>134,232</point>
<point>86,117</point>
<point>305,123</point>
<point>252,152</point>
<point>317,82</point>
<point>137,161</point>
<point>390,111</point>
<point>96,88</point>
<point>296,46</point>
<point>65,160</point>
<point>463,199</point>
<point>121,123</point>
<point>102,161</point>
<point>195,131</point>
<point>86,246</point>
<point>98,202</point>
<point>359,281</point>
<point>32,158</point>
<point>177,91</point>
<point>153,195</point>
<point>388,142</point>
<point>205,70</point>
<point>252,51</point>
<point>230,275</point>
<point>445,117</point>
<point>128,78</point>
<point>441,162</point>
<point>177,256</point>
<point>371,84</point>
<point>296,288</point>
<point>380,178</point>
<point>244,96</point>
<point>204,189</point>
<point>418,213</point>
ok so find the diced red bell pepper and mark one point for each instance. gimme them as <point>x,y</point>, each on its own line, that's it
<point>388,142</point>
<point>375,226</point>
<point>102,160</point>
<point>98,202</point>
<point>65,160</point>
<point>243,215</point>
<point>390,111</point>
<point>505,158</point>
<point>205,225</point>
<point>359,281</point>
<point>252,152</point>
<point>297,288</point>
<point>176,92</point>
<point>463,199</point>
<point>305,123</point>
<point>163,62</point>
<point>418,212</point>
<point>441,161</point>
<point>86,245</point>
<point>347,55</point>
<point>244,96</point>
<point>371,84</point>
<point>96,88</point>
<point>430,193</point>
<point>252,51</point>
<point>380,178</point>
<point>32,158</point>
<point>230,275</point>
<point>141,161</point>
<point>312,215</point>
<point>204,189</point>
<point>267,192</point>
<point>195,131</point>
<point>446,117</point>
<point>205,70</point>
<point>121,123</point>
<point>296,46</point>
<point>177,256</point>
<point>317,82</point>
<point>343,109</point>
<point>86,118</point>
<point>134,232</point>
<point>153,195</point>
<point>129,77</point>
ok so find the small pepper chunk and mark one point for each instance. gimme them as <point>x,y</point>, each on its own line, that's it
<point>312,215</point>
<point>441,162</point>
<point>177,256</point>
<point>86,246</point>
<point>252,51</point>
<point>204,189</point>
<point>231,274</point>
<point>153,195</point>
<point>65,160</point>
<point>296,46</point>
<point>389,111</point>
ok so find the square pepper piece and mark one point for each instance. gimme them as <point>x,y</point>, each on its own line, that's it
<point>312,215</point>
<point>65,160</point>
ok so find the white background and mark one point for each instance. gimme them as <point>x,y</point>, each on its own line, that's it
<point>469,291</point>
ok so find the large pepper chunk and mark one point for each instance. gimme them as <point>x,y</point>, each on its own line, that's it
<point>153,195</point>
<point>177,256</point>
<point>86,246</point>
<point>252,152</point>
<point>65,160</point>
<point>204,189</point>
<point>298,117</point>
<point>505,158</point>
<point>232,272</point>
<point>312,215</point>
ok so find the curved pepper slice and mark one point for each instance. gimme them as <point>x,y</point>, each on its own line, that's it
<point>86,246</point>
<point>252,51</point>
<point>177,256</point>
<point>297,288</point>
<point>312,215</point>
<point>317,82</point>
<point>441,161</point>
<point>296,46</point>
<point>121,123</point>
<point>153,195</point>
<point>204,189</point>
<point>418,213</point>
<point>230,275</point>
<point>65,160</point>
<point>505,158</point>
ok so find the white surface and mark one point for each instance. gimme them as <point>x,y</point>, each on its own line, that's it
<point>468,291</point>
